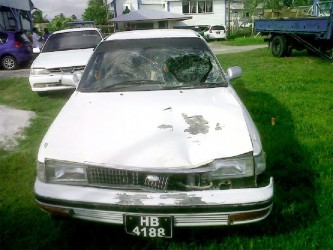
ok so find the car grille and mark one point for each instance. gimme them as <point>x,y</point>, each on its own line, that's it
<point>161,181</point>
<point>130,179</point>
<point>66,69</point>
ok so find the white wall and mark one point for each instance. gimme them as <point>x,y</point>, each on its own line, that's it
<point>215,18</point>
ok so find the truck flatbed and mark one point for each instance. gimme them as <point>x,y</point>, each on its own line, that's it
<point>312,33</point>
<point>318,26</point>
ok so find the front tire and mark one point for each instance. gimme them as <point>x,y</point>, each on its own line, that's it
<point>9,63</point>
<point>279,46</point>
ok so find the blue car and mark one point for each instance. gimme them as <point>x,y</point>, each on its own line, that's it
<point>15,49</point>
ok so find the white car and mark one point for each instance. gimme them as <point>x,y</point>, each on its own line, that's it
<point>66,51</point>
<point>153,138</point>
<point>215,32</point>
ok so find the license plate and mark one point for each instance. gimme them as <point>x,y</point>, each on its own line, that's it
<point>148,226</point>
<point>218,32</point>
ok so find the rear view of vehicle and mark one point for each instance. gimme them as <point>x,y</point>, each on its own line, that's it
<point>66,51</point>
<point>215,32</point>
<point>15,49</point>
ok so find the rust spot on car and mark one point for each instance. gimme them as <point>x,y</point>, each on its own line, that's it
<point>185,199</point>
<point>218,126</point>
<point>197,124</point>
<point>165,126</point>
<point>137,199</point>
<point>169,108</point>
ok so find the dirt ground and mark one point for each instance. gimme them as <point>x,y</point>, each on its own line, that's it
<point>12,122</point>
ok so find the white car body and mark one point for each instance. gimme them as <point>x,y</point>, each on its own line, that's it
<point>48,68</point>
<point>216,32</point>
<point>109,141</point>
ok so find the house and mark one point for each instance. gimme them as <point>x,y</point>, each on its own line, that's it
<point>186,13</point>
<point>15,15</point>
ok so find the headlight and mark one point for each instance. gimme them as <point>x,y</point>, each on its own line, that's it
<point>65,172</point>
<point>236,167</point>
<point>260,162</point>
<point>39,71</point>
<point>41,171</point>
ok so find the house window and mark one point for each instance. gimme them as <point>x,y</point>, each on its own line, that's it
<point>197,6</point>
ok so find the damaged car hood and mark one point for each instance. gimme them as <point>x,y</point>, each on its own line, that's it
<point>149,129</point>
<point>62,59</point>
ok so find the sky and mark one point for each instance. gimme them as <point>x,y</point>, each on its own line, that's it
<point>51,8</point>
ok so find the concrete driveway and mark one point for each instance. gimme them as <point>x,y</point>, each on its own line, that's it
<point>219,48</point>
<point>22,72</point>
<point>13,121</point>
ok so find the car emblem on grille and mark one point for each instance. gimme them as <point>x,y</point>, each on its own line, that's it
<point>68,69</point>
<point>152,178</point>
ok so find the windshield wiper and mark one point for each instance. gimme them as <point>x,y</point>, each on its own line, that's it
<point>127,84</point>
<point>178,87</point>
<point>199,86</point>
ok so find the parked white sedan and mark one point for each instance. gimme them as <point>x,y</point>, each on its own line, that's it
<point>153,138</point>
<point>66,51</point>
<point>215,32</point>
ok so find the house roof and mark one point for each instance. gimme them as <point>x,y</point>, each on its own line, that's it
<point>17,4</point>
<point>149,15</point>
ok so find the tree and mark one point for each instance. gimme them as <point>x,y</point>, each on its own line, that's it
<point>59,22</point>
<point>251,5</point>
<point>96,11</point>
<point>38,17</point>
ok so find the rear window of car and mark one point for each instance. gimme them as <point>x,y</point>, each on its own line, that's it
<point>218,27</point>
<point>3,37</point>
<point>72,40</point>
<point>21,37</point>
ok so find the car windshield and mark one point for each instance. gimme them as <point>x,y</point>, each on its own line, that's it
<point>152,64</point>
<point>72,40</point>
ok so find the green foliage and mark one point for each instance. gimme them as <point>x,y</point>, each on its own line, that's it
<point>240,32</point>
<point>59,22</point>
<point>251,5</point>
<point>38,17</point>
<point>96,11</point>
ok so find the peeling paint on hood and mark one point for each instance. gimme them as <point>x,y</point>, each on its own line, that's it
<point>149,129</point>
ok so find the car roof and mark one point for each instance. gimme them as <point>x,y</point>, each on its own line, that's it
<point>154,33</point>
<point>74,30</point>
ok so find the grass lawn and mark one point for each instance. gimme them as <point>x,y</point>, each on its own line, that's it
<point>243,41</point>
<point>297,91</point>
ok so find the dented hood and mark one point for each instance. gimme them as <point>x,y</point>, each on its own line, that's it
<point>62,59</point>
<point>148,129</point>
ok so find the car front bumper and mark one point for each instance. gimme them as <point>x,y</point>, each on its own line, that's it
<point>44,83</point>
<point>195,208</point>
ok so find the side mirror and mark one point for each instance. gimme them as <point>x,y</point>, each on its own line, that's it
<point>70,79</point>
<point>234,72</point>
<point>36,50</point>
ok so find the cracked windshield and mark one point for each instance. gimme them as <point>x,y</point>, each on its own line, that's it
<point>152,64</point>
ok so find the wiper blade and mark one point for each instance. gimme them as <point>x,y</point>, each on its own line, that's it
<point>126,84</point>
<point>199,86</point>
<point>178,87</point>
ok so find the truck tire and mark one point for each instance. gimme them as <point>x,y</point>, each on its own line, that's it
<point>279,46</point>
